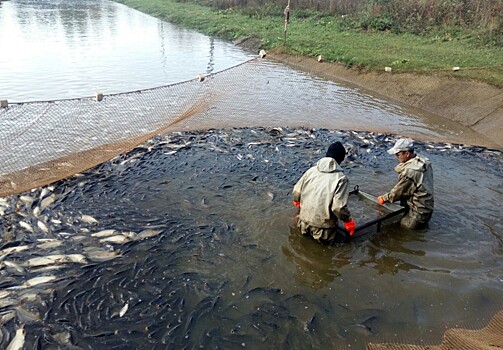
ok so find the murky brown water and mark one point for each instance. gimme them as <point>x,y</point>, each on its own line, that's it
<point>229,270</point>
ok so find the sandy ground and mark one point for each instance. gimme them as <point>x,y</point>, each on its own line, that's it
<point>472,104</point>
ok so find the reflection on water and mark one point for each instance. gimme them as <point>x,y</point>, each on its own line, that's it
<point>316,265</point>
<point>62,49</point>
<point>380,255</point>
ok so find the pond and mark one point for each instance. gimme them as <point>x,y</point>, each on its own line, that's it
<point>188,241</point>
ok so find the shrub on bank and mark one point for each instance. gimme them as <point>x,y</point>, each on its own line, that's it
<point>482,18</point>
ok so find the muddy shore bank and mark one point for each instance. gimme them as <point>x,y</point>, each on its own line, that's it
<point>473,104</point>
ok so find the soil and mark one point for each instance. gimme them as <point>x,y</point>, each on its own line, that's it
<point>476,105</point>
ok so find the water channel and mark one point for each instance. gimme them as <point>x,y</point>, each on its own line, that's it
<point>65,49</point>
<point>226,268</point>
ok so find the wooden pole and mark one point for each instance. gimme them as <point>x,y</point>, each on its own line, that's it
<point>287,19</point>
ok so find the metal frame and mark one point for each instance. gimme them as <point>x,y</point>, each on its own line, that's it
<point>393,209</point>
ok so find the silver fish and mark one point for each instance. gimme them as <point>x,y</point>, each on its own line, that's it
<point>15,266</point>
<point>124,309</point>
<point>7,316</point>
<point>89,219</point>
<point>7,251</point>
<point>147,234</point>
<point>26,226</point>
<point>38,280</point>
<point>104,233</point>
<point>102,255</point>
<point>49,244</point>
<point>115,239</point>
<point>17,342</point>
<point>27,200</point>
<point>47,201</point>
<point>56,259</point>
<point>43,227</point>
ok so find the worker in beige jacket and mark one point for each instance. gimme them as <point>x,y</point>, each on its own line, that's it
<point>414,188</point>
<point>322,196</point>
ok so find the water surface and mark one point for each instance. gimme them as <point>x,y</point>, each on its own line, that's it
<point>63,49</point>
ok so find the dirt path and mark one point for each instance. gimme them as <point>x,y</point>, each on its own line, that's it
<point>473,104</point>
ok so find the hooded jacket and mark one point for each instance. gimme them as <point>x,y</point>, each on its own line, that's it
<point>415,185</point>
<point>323,194</point>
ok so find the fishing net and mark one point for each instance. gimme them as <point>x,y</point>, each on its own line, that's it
<point>42,142</point>
<point>489,337</point>
<point>49,141</point>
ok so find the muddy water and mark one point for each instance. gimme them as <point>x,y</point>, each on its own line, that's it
<point>268,93</point>
<point>229,269</point>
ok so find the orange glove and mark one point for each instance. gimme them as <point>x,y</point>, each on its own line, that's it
<point>380,200</point>
<point>297,204</point>
<point>350,226</point>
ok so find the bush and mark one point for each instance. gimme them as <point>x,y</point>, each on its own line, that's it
<point>379,23</point>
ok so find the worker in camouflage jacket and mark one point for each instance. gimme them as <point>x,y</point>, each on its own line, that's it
<point>414,188</point>
<point>322,196</point>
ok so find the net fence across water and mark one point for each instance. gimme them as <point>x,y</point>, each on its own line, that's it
<point>42,142</point>
<point>48,141</point>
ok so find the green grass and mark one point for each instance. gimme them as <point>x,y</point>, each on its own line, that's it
<point>327,36</point>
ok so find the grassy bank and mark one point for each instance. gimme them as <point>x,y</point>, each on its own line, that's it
<point>337,40</point>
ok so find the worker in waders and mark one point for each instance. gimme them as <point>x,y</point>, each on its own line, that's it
<point>322,196</point>
<point>414,188</point>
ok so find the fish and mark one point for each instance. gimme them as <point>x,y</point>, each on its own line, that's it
<point>47,201</point>
<point>36,212</point>
<point>38,280</point>
<point>104,233</point>
<point>115,239</point>
<point>7,316</point>
<point>17,342</point>
<point>27,316</point>
<point>45,191</point>
<point>147,234</point>
<point>26,226</point>
<point>49,244</point>
<point>88,219</point>
<point>27,200</point>
<point>47,268</point>
<point>43,227</point>
<point>4,303</point>
<point>7,251</point>
<point>56,259</point>
<point>124,309</point>
<point>4,294</point>
<point>102,255</point>
<point>15,266</point>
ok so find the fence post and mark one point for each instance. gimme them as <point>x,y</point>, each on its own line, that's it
<point>287,19</point>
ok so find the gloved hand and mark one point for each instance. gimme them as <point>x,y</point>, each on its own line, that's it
<point>380,200</point>
<point>350,226</point>
<point>297,204</point>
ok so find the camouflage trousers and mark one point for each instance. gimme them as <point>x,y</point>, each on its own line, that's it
<point>414,221</point>
<point>325,235</point>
